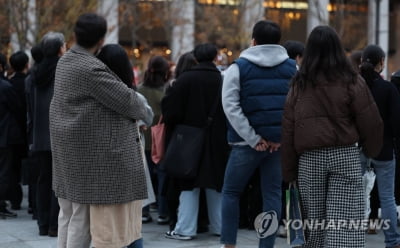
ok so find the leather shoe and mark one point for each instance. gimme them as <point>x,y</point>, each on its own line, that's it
<point>52,233</point>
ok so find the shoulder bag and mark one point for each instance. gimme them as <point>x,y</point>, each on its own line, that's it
<point>183,155</point>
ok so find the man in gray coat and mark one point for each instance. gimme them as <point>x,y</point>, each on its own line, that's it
<point>94,139</point>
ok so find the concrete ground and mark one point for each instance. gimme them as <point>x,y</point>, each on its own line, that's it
<point>22,232</point>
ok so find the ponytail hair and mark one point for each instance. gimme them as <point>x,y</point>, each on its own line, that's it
<point>371,57</point>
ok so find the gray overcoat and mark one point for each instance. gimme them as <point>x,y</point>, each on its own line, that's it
<point>93,132</point>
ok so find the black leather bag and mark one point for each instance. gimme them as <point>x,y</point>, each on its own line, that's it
<point>184,152</point>
<point>183,155</point>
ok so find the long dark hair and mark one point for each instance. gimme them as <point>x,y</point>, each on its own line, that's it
<point>324,58</point>
<point>185,62</point>
<point>157,72</point>
<point>370,58</point>
<point>115,57</point>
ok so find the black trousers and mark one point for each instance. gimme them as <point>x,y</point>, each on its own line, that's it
<point>6,164</point>
<point>46,201</point>
<point>172,193</point>
<point>33,175</point>
<point>15,188</point>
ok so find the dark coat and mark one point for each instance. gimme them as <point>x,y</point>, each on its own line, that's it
<point>189,102</point>
<point>387,99</point>
<point>18,83</point>
<point>10,116</point>
<point>43,86</point>
<point>29,91</point>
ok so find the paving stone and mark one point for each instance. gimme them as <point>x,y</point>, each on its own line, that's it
<point>22,232</point>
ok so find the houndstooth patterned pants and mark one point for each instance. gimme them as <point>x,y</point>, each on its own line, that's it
<point>331,189</point>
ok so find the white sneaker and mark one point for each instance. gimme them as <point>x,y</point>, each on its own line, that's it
<point>174,235</point>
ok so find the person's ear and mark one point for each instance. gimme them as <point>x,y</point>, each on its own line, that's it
<point>101,42</point>
<point>383,64</point>
<point>298,59</point>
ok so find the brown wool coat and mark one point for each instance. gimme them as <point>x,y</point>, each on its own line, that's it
<point>94,137</point>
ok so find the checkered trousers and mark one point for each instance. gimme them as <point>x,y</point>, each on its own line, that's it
<point>331,189</point>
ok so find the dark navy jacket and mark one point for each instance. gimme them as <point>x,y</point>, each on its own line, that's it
<point>262,97</point>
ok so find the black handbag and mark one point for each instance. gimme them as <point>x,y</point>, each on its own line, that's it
<point>183,154</point>
<point>185,148</point>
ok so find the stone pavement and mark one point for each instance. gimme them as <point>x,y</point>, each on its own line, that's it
<point>22,232</point>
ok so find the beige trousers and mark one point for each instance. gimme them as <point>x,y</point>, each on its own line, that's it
<point>109,226</point>
<point>73,225</point>
<point>115,226</point>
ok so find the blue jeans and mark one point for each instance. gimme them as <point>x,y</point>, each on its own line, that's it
<point>189,209</point>
<point>158,177</point>
<point>385,171</point>
<point>136,244</point>
<point>243,161</point>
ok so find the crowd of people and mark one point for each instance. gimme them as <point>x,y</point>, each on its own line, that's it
<point>307,114</point>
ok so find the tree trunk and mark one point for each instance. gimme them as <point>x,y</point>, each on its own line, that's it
<point>183,28</point>
<point>109,9</point>
<point>379,35</point>
<point>253,11</point>
<point>317,14</point>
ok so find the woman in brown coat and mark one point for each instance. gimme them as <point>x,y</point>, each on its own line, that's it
<point>328,110</point>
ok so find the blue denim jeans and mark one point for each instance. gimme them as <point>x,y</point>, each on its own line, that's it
<point>385,171</point>
<point>136,244</point>
<point>242,163</point>
<point>158,177</point>
<point>189,209</point>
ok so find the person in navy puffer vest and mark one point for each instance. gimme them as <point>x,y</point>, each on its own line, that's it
<point>253,96</point>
